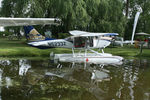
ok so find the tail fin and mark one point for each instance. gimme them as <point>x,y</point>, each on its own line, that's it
<point>32,34</point>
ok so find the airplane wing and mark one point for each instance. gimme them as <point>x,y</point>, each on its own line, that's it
<point>77,33</point>
<point>27,21</point>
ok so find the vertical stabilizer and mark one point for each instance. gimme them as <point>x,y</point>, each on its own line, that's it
<point>32,34</point>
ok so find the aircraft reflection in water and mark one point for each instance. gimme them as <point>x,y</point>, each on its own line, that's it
<point>28,79</point>
<point>83,75</point>
<point>24,66</point>
<point>72,74</point>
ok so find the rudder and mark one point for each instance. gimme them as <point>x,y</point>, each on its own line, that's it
<point>32,34</point>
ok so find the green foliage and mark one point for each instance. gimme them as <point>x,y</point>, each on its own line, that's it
<point>63,35</point>
<point>89,15</point>
<point>13,8</point>
<point>110,17</point>
<point>6,33</point>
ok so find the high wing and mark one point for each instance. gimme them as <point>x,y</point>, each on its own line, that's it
<point>27,21</point>
<point>77,33</point>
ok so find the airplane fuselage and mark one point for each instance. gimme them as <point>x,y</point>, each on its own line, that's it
<point>57,43</point>
<point>67,43</point>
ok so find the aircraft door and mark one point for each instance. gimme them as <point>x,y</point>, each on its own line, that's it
<point>79,42</point>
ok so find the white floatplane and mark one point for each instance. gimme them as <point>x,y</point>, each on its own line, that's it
<point>85,42</point>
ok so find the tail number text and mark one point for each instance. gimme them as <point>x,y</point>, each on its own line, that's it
<point>56,44</point>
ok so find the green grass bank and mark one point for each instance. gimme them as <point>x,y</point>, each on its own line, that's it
<point>15,48</point>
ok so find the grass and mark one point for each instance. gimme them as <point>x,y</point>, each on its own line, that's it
<point>129,51</point>
<point>16,48</point>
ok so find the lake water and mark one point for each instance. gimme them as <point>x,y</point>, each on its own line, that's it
<point>42,79</point>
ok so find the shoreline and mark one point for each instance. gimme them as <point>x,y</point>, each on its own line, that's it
<point>16,48</point>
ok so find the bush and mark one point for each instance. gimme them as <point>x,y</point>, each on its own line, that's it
<point>63,35</point>
<point>6,33</point>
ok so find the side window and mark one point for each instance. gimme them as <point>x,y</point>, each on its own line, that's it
<point>69,39</point>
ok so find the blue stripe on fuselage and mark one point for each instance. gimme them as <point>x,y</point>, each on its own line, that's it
<point>49,43</point>
<point>41,47</point>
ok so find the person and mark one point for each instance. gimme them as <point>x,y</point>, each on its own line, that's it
<point>146,42</point>
<point>136,44</point>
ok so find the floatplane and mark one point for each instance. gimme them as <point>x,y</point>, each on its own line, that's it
<point>81,40</point>
<point>90,48</point>
<point>84,41</point>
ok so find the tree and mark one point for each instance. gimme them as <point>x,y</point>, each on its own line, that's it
<point>89,15</point>
<point>92,10</point>
<point>13,8</point>
<point>127,7</point>
<point>110,16</point>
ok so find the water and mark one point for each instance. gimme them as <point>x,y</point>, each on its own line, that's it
<point>41,79</point>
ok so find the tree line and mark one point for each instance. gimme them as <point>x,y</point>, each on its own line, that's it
<point>115,16</point>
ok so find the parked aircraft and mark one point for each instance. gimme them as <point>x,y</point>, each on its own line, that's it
<point>84,41</point>
<point>80,39</point>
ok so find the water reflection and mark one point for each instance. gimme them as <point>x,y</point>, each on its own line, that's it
<point>0,83</point>
<point>42,79</point>
<point>5,62</point>
<point>24,66</point>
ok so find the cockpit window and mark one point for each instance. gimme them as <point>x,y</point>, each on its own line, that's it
<point>69,39</point>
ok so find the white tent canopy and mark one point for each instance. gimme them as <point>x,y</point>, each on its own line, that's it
<point>142,34</point>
